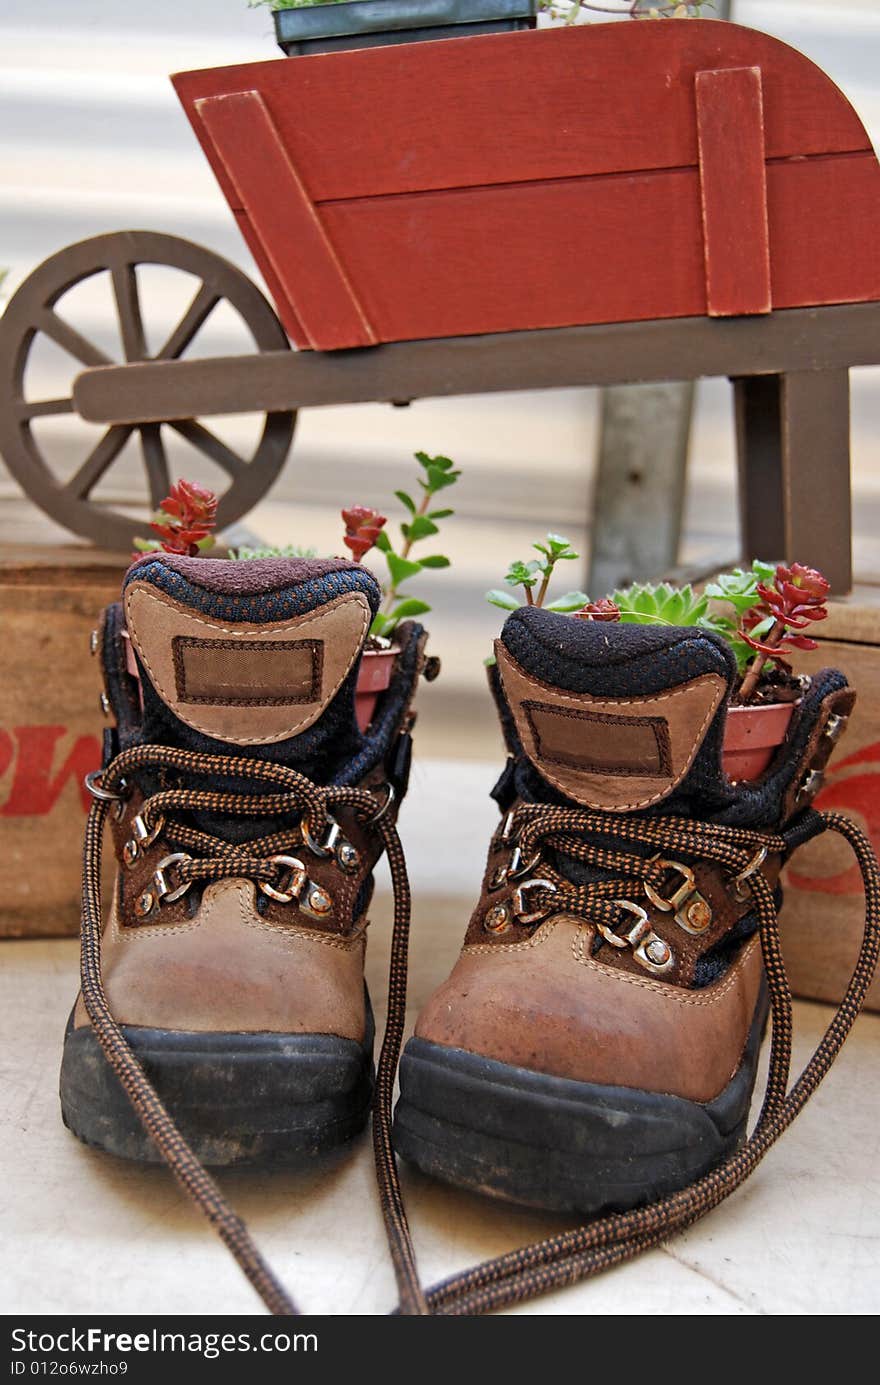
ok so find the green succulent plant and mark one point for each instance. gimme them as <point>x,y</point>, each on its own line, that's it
<point>288,550</point>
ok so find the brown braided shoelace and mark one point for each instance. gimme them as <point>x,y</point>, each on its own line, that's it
<point>565,1259</point>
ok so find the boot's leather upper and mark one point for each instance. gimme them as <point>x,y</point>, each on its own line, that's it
<point>255,659</point>
<point>624,722</point>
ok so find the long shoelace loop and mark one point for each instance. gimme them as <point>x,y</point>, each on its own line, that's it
<point>559,1260</point>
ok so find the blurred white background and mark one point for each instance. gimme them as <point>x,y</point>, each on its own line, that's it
<point>92,139</point>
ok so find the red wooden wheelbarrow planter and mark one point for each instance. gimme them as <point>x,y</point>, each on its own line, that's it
<point>592,205</point>
<point>517,182</point>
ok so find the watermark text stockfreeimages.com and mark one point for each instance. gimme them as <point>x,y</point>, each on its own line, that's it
<point>97,1341</point>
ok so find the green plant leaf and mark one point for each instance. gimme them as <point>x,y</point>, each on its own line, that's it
<point>522,574</point>
<point>435,560</point>
<point>438,479</point>
<point>739,588</point>
<point>380,625</point>
<point>383,543</point>
<point>444,463</point>
<point>401,568</point>
<point>421,528</point>
<point>572,601</point>
<point>502,599</point>
<point>410,607</point>
<point>556,549</point>
<point>406,500</point>
<point>765,572</point>
<point>440,514</point>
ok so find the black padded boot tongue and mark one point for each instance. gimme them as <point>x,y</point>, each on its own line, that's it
<point>251,658</point>
<point>613,716</point>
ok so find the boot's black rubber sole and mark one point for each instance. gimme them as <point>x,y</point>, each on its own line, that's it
<point>237,1098</point>
<point>559,1144</point>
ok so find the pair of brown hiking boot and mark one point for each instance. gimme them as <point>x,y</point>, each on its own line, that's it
<point>594,1049</point>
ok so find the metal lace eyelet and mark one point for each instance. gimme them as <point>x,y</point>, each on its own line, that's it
<point>835,727</point>
<point>649,949</point>
<point>297,880</point>
<point>142,833</point>
<point>636,931</point>
<point>693,911</point>
<point>327,846</point>
<point>166,893</point>
<point>383,808</point>
<point>497,879</point>
<point>96,789</point>
<point>811,784</point>
<point>520,908</point>
<point>508,833</point>
<point>518,866</point>
<point>741,888</point>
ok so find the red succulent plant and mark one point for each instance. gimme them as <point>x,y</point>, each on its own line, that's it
<point>796,597</point>
<point>603,610</point>
<point>186,518</point>
<point>362,526</point>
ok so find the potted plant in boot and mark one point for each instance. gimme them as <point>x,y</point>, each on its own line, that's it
<point>759,611</point>
<point>322,26</point>
<point>364,531</point>
<point>771,608</point>
<point>185,521</point>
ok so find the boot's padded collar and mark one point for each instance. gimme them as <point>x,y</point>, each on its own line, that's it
<point>613,753</point>
<point>240,682</point>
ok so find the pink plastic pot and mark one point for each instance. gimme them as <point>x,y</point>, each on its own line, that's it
<point>374,676</point>
<point>752,736</point>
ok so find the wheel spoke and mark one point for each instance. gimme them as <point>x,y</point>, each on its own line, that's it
<point>155,462</point>
<point>199,309</point>
<point>41,408</point>
<point>99,460</point>
<point>128,309</point>
<point>208,443</point>
<point>70,339</point>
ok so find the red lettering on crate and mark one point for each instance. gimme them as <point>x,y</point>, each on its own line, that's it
<point>36,782</point>
<point>858,795</point>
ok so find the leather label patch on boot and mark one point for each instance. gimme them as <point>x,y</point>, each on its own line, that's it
<point>247,673</point>
<point>246,683</point>
<point>605,752</point>
<point>599,743</point>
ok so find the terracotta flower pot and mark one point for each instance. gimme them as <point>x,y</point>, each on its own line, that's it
<point>752,736</point>
<point>374,676</point>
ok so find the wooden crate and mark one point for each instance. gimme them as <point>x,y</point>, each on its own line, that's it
<point>50,729</point>
<point>823,914</point>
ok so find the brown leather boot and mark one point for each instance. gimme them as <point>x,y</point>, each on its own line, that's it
<point>242,798</point>
<point>595,1046</point>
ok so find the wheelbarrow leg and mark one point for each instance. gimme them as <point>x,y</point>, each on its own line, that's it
<point>794,470</point>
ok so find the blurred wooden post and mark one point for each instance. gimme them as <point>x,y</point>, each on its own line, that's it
<point>639,495</point>
<point>638,498</point>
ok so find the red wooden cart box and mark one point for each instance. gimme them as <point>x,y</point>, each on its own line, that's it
<point>606,173</point>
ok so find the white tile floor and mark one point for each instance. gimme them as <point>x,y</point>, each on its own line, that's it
<point>82,1232</point>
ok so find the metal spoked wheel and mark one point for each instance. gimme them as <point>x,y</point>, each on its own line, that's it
<point>37,309</point>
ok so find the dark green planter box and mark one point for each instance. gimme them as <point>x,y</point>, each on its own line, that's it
<point>372,23</point>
